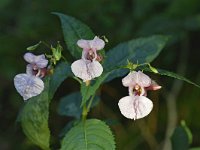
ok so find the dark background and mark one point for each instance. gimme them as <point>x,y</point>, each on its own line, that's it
<point>25,22</point>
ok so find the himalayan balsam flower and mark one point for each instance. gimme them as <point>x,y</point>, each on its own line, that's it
<point>88,67</point>
<point>137,105</point>
<point>36,61</point>
<point>29,84</point>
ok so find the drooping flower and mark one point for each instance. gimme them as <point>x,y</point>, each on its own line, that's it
<point>30,84</point>
<point>88,67</point>
<point>137,105</point>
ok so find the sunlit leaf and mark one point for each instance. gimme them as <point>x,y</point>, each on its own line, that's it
<point>92,134</point>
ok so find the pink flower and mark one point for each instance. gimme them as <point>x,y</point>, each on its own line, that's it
<point>88,68</point>
<point>137,105</point>
<point>29,84</point>
<point>36,61</point>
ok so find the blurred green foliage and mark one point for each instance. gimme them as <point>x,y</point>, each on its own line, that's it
<point>24,23</point>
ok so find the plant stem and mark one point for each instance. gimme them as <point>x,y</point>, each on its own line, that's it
<point>85,110</point>
<point>84,113</point>
<point>90,103</point>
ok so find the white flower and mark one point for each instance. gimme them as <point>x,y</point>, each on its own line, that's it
<point>36,61</point>
<point>137,105</point>
<point>28,85</point>
<point>88,68</point>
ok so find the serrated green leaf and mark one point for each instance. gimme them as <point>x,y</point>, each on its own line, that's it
<point>67,127</point>
<point>74,30</point>
<point>92,134</point>
<point>35,113</point>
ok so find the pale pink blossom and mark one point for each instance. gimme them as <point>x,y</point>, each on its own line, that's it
<point>137,105</point>
<point>88,68</point>
<point>30,84</point>
<point>36,61</point>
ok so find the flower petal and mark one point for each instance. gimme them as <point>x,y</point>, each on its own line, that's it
<point>97,43</point>
<point>142,79</point>
<point>135,107</point>
<point>86,70</point>
<point>128,80</point>
<point>40,61</point>
<point>126,107</point>
<point>154,86</point>
<point>29,57</point>
<point>142,106</point>
<point>29,69</point>
<point>28,86</point>
<point>83,44</point>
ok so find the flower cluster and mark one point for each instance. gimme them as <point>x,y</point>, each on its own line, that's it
<point>134,106</point>
<point>137,105</point>
<point>29,84</point>
<point>88,67</point>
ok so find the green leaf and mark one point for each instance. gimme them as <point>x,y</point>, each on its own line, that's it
<point>35,113</point>
<point>173,75</point>
<point>141,50</point>
<point>70,105</point>
<point>73,31</point>
<point>61,72</point>
<point>89,135</point>
<point>67,127</point>
<point>180,139</point>
<point>34,119</point>
<point>31,48</point>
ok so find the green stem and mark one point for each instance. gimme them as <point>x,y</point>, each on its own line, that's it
<point>85,110</point>
<point>84,113</point>
<point>90,103</point>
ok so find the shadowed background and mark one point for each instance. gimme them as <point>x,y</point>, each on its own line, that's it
<point>24,23</point>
